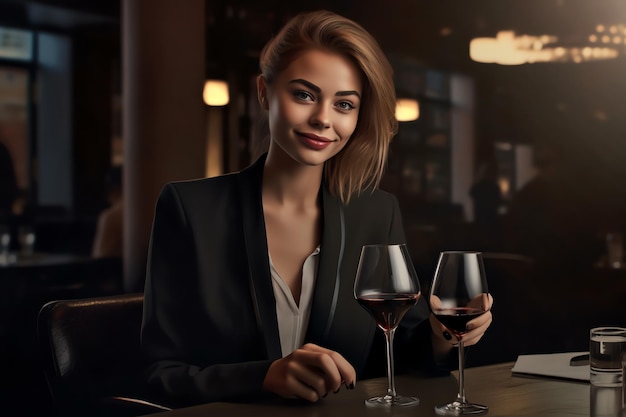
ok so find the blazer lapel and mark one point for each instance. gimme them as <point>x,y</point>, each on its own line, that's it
<point>253,224</point>
<point>327,281</point>
<point>336,318</point>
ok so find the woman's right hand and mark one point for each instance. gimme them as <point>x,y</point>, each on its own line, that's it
<point>309,373</point>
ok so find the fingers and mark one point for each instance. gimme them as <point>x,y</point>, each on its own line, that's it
<point>435,302</point>
<point>335,368</point>
<point>315,370</point>
<point>482,301</point>
<point>475,328</point>
<point>309,373</point>
<point>290,378</point>
<point>306,383</point>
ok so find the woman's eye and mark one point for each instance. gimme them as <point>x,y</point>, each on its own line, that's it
<point>345,105</point>
<point>303,95</point>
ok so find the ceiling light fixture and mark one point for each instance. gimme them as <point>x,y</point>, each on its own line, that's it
<point>507,48</point>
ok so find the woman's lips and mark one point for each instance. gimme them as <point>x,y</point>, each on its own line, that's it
<point>314,142</point>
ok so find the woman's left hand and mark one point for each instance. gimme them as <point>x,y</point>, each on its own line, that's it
<point>477,327</point>
<point>475,330</point>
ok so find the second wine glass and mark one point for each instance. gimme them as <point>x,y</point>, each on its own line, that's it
<point>459,294</point>
<point>387,287</point>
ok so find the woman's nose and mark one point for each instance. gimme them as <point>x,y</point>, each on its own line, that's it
<point>321,117</point>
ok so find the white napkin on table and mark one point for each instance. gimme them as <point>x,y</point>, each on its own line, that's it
<point>556,365</point>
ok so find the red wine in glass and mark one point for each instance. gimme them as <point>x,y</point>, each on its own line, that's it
<point>456,319</point>
<point>388,309</point>
<point>457,295</point>
<point>386,286</point>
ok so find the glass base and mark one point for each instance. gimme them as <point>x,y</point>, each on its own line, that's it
<point>457,408</point>
<point>391,401</point>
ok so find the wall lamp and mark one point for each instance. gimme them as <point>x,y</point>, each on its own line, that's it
<point>407,110</point>
<point>215,93</point>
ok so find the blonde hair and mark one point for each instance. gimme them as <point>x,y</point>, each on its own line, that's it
<point>361,164</point>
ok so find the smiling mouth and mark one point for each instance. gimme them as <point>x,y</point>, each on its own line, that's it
<point>314,142</point>
<point>311,136</point>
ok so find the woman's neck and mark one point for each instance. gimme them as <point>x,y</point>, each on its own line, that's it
<point>288,182</point>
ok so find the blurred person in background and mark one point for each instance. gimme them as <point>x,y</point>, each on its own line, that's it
<point>548,218</point>
<point>487,196</point>
<point>109,238</point>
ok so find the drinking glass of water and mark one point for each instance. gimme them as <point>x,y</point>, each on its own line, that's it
<point>607,345</point>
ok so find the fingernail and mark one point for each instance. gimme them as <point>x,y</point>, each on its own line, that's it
<point>325,394</point>
<point>351,386</point>
<point>447,335</point>
<point>336,391</point>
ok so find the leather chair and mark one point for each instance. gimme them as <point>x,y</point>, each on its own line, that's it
<point>91,356</point>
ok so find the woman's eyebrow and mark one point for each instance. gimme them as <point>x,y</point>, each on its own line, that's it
<point>319,90</point>
<point>307,84</point>
<point>348,93</point>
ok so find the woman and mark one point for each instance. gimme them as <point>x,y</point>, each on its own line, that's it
<point>250,275</point>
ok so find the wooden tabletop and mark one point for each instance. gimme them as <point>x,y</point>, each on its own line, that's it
<point>505,394</point>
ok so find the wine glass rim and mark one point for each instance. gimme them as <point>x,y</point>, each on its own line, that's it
<point>383,245</point>
<point>469,252</point>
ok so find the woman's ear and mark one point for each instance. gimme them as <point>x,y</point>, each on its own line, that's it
<point>262,92</point>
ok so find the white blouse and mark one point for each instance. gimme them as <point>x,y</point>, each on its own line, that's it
<point>293,320</point>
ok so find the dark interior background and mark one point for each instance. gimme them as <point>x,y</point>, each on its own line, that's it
<point>571,115</point>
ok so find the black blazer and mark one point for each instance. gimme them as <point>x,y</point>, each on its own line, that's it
<point>209,326</point>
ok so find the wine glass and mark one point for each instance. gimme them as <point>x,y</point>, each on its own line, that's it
<point>459,294</point>
<point>387,287</point>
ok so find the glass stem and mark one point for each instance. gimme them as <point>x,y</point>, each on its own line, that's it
<point>391,391</point>
<point>460,397</point>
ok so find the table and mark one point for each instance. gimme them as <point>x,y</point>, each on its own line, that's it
<point>494,385</point>
<point>41,277</point>
<point>16,260</point>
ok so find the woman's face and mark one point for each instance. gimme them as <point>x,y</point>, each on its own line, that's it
<point>313,106</point>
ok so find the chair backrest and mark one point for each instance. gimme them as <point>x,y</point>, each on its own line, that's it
<point>91,349</point>
<point>514,327</point>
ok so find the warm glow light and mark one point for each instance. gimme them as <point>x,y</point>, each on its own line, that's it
<point>216,93</point>
<point>508,53</point>
<point>505,185</point>
<point>501,50</point>
<point>407,109</point>
<point>600,115</point>
<point>484,50</point>
<point>507,48</point>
